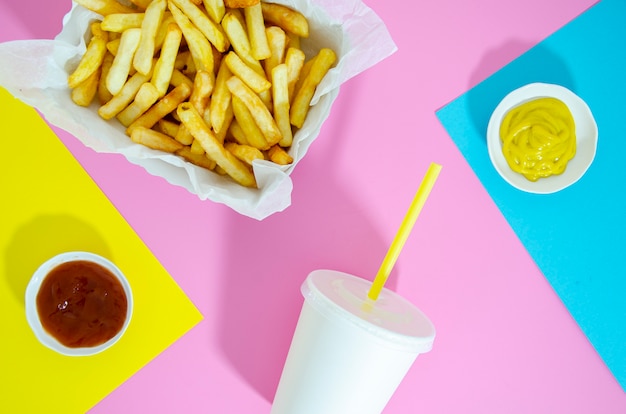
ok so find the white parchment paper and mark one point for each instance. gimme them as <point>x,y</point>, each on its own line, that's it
<point>36,71</point>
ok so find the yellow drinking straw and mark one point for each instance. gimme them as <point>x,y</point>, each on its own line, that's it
<point>405,228</point>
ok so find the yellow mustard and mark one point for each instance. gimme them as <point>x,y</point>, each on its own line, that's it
<point>538,138</point>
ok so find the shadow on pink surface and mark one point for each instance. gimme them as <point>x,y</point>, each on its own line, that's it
<point>551,70</point>
<point>323,228</point>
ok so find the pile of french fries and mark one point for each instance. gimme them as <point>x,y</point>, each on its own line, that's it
<point>217,84</point>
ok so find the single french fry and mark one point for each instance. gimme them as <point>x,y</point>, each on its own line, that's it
<point>294,59</point>
<point>219,170</point>
<point>162,74</point>
<point>280,98</point>
<point>89,62</point>
<point>144,55</point>
<point>236,32</point>
<point>196,147</point>
<point>221,98</point>
<point>324,60</point>
<point>113,45</point>
<point>199,46</point>
<point>293,40</point>
<point>240,4</point>
<point>237,133</point>
<point>84,93</point>
<point>288,19</point>
<point>266,97</point>
<point>105,7</point>
<point>304,72</point>
<point>201,160</point>
<point>123,98</point>
<point>215,9</point>
<point>120,69</point>
<point>114,35</point>
<point>163,29</point>
<point>245,153</point>
<point>278,43</point>
<point>255,24</point>
<point>202,88</point>
<point>256,82</point>
<point>279,156</point>
<point>167,127</point>
<point>257,108</point>
<point>155,140</point>
<point>182,59</point>
<point>178,77</point>
<point>146,96</point>
<point>183,135</point>
<point>215,150</point>
<point>245,120</point>
<point>97,30</point>
<point>118,22</point>
<point>104,95</point>
<point>142,4</point>
<point>190,68</point>
<point>237,13</point>
<point>229,117</point>
<point>164,106</point>
<point>203,23</point>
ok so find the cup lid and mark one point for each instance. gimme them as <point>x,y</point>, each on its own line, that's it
<point>390,318</point>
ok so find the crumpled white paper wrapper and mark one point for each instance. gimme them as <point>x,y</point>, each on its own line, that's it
<point>36,71</point>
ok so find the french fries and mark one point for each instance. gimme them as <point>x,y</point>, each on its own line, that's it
<point>199,45</point>
<point>245,153</point>
<point>105,7</point>
<point>120,69</point>
<point>280,97</point>
<point>165,64</point>
<point>155,140</point>
<point>289,20</point>
<point>302,98</point>
<point>259,47</point>
<point>258,83</point>
<point>118,22</point>
<point>146,96</point>
<point>219,84</point>
<point>203,23</point>
<point>277,42</point>
<point>261,115</point>
<point>84,93</point>
<point>163,107</point>
<point>92,59</point>
<point>215,9</point>
<point>200,130</point>
<point>142,61</point>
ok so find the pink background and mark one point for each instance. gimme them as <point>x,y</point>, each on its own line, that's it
<point>505,342</point>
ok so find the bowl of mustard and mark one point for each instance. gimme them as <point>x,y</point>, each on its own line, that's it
<point>542,138</point>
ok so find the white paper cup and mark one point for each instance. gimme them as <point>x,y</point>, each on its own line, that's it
<point>348,354</point>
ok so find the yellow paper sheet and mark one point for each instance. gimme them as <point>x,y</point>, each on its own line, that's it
<point>51,205</point>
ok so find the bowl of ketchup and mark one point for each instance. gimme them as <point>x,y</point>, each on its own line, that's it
<point>78,303</point>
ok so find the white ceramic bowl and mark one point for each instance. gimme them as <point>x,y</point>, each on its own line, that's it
<point>586,138</point>
<point>32,315</point>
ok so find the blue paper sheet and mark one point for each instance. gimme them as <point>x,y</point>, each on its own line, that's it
<point>576,236</point>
